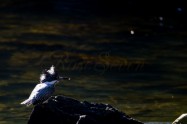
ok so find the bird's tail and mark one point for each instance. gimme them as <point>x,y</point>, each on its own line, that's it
<point>27,102</point>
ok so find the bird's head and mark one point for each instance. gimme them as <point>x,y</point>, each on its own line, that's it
<point>51,75</point>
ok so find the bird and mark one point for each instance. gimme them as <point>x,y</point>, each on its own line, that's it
<point>45,88</point>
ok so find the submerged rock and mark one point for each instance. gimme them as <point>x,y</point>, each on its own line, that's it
<point>64,110</point>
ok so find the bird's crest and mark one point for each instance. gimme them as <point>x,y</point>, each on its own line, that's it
<point>49,75</point>
<point>51,70</point>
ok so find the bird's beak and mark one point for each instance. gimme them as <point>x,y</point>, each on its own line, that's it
<point>64,78</point>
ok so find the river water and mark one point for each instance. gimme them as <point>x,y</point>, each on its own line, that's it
<point>132,63</point>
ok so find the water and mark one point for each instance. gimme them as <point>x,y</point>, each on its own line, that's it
<point>142,74</point>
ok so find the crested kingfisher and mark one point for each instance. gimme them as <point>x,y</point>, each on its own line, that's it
<point>45,88</point>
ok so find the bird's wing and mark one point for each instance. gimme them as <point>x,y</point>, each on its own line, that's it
<point>33,94</point>
<point>37,89</point>
<point>41,93</point>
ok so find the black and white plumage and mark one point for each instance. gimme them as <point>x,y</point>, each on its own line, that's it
<point>45,88</point>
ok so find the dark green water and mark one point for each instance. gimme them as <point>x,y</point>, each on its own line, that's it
<point>143,75</point>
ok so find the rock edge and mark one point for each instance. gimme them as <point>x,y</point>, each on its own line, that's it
<point>65,110</point>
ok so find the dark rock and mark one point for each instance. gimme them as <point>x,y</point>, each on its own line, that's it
<point>64,110</point>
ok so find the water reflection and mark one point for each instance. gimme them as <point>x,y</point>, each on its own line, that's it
<point>144,77</point>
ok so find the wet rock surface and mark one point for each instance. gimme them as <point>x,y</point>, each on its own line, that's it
<point>64,110</point>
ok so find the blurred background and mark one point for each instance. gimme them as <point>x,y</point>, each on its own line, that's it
<point>129,54</point>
